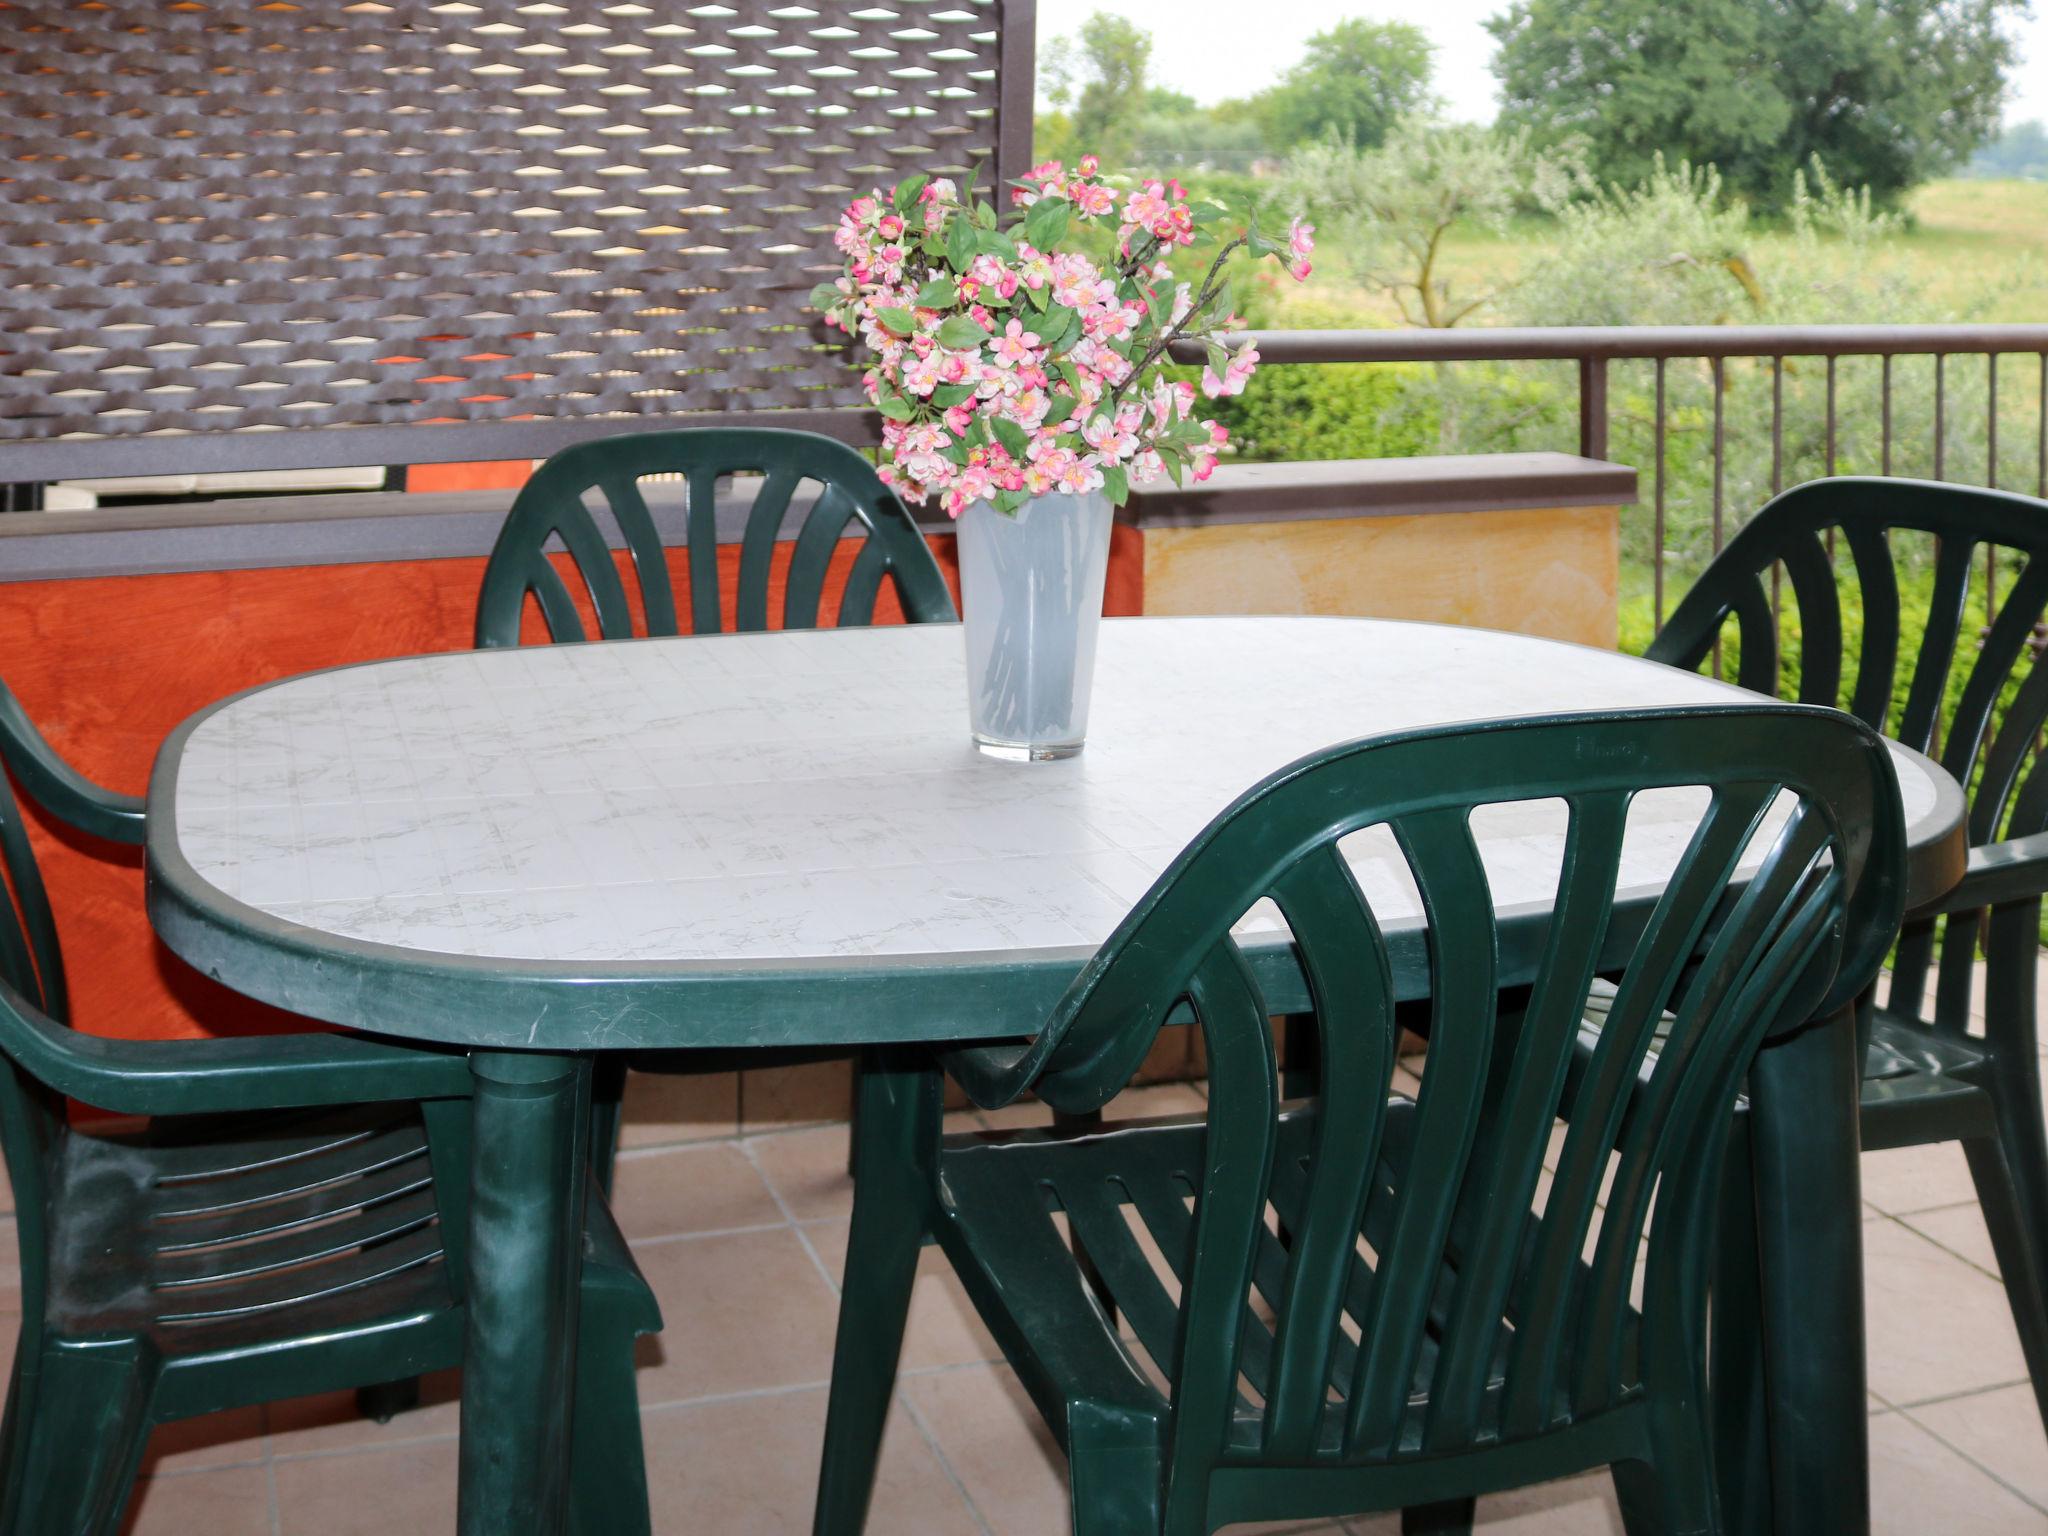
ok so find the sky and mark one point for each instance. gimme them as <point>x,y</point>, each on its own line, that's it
<point>1205,48</point>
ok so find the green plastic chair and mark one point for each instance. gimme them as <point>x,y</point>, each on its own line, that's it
<point>554,507</point>
<point>290,1220</point>
<point>1926,1077</point>
<point>554,510</point>
<point>1367,1302</point>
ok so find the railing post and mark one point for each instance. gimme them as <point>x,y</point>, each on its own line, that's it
<point>1593,407</point>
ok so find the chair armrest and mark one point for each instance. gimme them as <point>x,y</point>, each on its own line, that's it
<point>59,788</point>
<point>183,1077</point>
<point>2013,870</point>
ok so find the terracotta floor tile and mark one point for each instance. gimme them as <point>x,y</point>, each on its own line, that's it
<point>808,1170</point>
<point>943,1328</point>
<point>997,1446</point>
<point>775,1098</point>
<point>1907,1179</point>
<point>750,1468</point>
<point>676,1190</point>
<point>666,1107</point>
<point>1576,1506</point>
<point>1919,1487</point>
<point>2000,1431</point>
<point>213,1440</point>
<point>330,1422</point>
<point>744,1311</point>
<point>231,1502</point>
<point>1960,1229</point>
<point>377,1492</point>
<point>1937,1325</point>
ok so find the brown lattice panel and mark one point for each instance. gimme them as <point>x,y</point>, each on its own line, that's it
<point>223,215</point>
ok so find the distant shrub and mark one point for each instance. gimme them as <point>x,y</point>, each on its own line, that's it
<point>1332,411</point>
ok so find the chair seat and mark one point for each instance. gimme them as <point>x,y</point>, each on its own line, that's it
<point>1127,1193</point>
<point>1922,1085</point>
<point>269,1224</point>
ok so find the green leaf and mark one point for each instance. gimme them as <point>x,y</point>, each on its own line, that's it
<point>1159,305</point>
<point>1046,224</point>
<point>898,322</point>
<point>984,218</point>
<point>955,452</point>
<point>1060,328</point>
<point>1219,357</point>
<point>1068,374</point>
<point>946,396</point>
<point>1116,484</point>
<point>1039,297</point>
<point>960,244</point>
<point>959,334</point>
<point>1063,406</point>
<point>1207,212</point>
<point>1007,502</point>
<point>1010,435</point>
<point>1171,456</point>
<point>996,243</point>
<point>939,293</point>
<point>825,296</point>
<point>977,432</point>
<point>907,190</point>
<point>896,408</point>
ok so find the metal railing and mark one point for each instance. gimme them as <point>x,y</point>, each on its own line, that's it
<point>1595,350</point>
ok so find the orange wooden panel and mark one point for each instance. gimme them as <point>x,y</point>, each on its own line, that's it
<point>108,666</point>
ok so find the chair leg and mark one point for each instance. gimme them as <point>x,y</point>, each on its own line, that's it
<point>1735,1368</point>
<point>84,1422</point>
<point>607,1459</point>
<point>607,1108</point>
<point>1113,1490</point>
<point>1448,1517</point>
<point>2012,1185</point>
<point>896,1129</point>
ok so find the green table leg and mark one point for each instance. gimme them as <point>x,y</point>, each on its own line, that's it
<point>895,1129</point>
<point>1809,1194</point>
<point>527,1184</point>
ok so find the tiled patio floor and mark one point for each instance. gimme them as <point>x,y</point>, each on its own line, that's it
<point>743,1238</point>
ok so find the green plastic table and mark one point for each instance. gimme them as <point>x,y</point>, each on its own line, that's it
<point>760,840</point>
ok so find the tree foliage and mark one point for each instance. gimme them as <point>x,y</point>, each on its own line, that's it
<point>1388,210</point>
<point>1887,92</point>
<point>1100,73</point>
<point>1355,82</point>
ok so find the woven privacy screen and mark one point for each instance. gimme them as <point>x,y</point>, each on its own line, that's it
<point>222,215</point>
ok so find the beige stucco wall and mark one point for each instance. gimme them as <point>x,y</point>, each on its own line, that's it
<point>1546,571</point>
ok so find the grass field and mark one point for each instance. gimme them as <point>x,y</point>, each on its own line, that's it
<point>1978,248</point>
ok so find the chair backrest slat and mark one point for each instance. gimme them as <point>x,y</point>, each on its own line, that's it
<point>552,506</point>
<point>1352,987</point>
<point>1444,861</point>
<point>643,542</point>
<point>1967,690</point>
<point>1423,1299</point>
<point>1521,1109</point>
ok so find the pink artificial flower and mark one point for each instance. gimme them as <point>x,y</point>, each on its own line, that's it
<point>1079,476</point>
<point>1095,199</point>
<point>1300,246</point>
<point>1015,345</point>
<point>1087,165</point>
<point>891,226</point>
<point>1236,373</point>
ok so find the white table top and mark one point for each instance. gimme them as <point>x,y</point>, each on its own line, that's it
<point>767,798</point>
